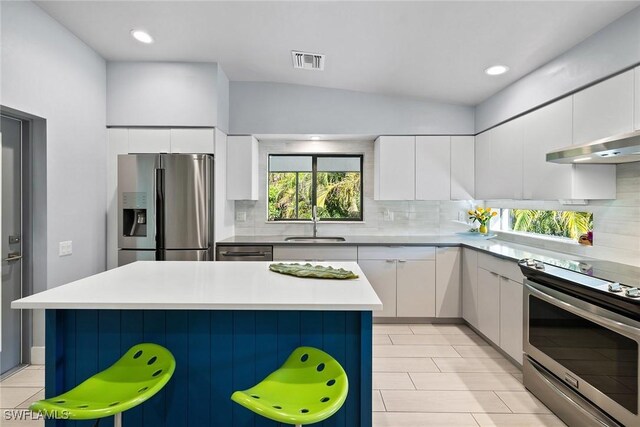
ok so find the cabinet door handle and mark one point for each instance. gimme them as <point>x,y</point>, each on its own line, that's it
<point>391,260</point>
<point>402,260</point>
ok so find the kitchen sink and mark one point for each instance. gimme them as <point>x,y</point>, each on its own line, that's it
<point>311,239</point>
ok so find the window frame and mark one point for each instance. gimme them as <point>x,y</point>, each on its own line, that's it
<point>504,220</point>
<point>314,186</point>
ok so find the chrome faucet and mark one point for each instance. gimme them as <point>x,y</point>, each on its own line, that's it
<point>314,218</point>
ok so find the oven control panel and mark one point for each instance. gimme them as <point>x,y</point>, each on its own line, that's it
<point>581,278</point>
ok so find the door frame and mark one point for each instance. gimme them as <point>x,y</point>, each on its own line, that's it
<point>34,223</point>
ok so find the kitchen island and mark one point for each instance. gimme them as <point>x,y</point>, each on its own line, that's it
<point>227,324</point>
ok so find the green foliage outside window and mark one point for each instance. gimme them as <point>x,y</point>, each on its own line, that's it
<point>554,223</point>
<point>338,195</point>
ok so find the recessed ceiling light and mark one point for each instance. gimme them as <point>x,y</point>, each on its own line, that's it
<point>142,36</point>
<point>315,138</point>
<point>496,70</point>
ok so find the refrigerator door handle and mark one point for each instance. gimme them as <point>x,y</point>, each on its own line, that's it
<point>160,225</point>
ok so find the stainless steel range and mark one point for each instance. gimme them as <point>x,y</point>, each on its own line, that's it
<point>582,339</point>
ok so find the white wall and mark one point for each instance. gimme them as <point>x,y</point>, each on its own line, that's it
<point>163,94</point>
<point>277,108</point>
<point>609,51</point>
<point>48,72</point>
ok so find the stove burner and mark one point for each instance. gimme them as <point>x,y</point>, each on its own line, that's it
<point>633,292</point>
<point>615,287</point>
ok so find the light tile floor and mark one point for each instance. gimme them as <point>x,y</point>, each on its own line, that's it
<point>424,375</point>
<point>16,394</point>
<point>447,375</point>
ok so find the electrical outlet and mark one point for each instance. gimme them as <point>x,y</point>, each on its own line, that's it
<point>65,248</point>
<point>241,216</point>
<point>388,215</point>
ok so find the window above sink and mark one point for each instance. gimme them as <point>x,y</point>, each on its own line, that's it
<point>332,182</point>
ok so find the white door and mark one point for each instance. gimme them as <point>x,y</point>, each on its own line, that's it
<point>603,110</point>
<point>394,177</point>
<point>489,304</point>
<point>511,321</point>
<point>382,276</point>
<point>416,288</point>
<point>433,167</point>
<point>448,282</point>
<point>470,286</point>
<point>10,352</point>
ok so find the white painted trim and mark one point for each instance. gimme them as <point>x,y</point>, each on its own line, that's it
<point>37,355</point>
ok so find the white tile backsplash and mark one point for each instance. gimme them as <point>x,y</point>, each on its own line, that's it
<point>616,222</point>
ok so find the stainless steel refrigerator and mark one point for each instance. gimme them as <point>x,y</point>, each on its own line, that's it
<point>165,207</point>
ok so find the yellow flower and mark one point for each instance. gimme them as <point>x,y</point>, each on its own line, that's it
<point>480,210</point>
<point>494,213</point>
<point>470,212</point>
<point>488,209</point>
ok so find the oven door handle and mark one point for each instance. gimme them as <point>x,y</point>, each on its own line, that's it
<point>603,317</point>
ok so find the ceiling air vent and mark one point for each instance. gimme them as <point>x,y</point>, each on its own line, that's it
<point>307,61</point>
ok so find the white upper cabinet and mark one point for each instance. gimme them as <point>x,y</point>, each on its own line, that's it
<point>483,163</point>
<point>637,97</point>
<point>394,164</point>
<point>499,162</point>
<point>192,141</point>
<point>242,168</point>
<point>433,171</point>
<point>462,167</point>
<point>545,130</point>
<point>149,141</point>
<point>506,157</point>
<point>604,109</point>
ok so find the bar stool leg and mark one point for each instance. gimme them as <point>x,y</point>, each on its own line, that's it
<point>117,420</point>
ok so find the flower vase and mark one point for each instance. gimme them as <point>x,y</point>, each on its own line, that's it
<point>483,229</point>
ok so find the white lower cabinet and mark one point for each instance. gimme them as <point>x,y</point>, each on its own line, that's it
<point>489,304</point>
<point>416,288</point>
<point>470,286</point>
<point>492,299</point>
<point>382,276</point>
<point>448,286</point>
<point>511,320</point>
<point>403,277</point>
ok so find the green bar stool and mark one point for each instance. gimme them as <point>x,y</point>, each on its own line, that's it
<point>308,388</point>
<point>137,376</point>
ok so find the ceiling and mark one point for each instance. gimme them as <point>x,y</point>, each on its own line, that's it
<point>435,50</point>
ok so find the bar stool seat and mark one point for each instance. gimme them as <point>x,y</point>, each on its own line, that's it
<point>309,387</point>
<point>139,374</point>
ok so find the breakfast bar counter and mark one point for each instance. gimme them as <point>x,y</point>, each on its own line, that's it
<point>228,324</point>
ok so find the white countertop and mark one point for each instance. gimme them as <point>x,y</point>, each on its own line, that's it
<point>191,285</point>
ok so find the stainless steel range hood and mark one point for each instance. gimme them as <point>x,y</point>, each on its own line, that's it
<point>622,148</point>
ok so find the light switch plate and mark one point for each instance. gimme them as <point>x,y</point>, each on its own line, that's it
<point>241,216</point>
<point>65,248</point>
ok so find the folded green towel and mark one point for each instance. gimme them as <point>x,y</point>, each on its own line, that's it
<point>313,271</point>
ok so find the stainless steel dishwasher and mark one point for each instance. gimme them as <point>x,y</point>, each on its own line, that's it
<point>244,253</point>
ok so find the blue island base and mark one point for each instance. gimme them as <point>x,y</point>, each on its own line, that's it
<point>217,352</point>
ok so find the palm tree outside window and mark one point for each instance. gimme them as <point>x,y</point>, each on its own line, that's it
<point>332,182</point>
<point>568,224</point>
